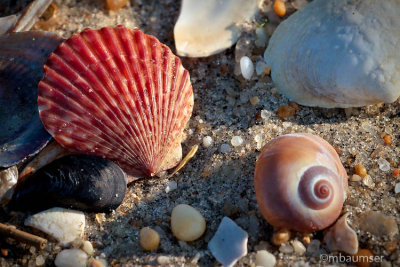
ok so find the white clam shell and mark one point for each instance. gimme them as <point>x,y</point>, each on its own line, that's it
<point>341,53</point>
<point>208,27</point>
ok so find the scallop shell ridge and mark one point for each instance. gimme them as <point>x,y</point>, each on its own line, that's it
<point>120,94</point>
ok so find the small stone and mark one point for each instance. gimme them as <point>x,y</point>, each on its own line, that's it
<point>281,236</point>
<point>163,260</point>
<point>246,67</point>
<point>62,224</point>
<point>383,164</point>
<point>87,247</point>
<point>224,148</point>
<point>237,141</point>
<point>285,112</point>
<point>286,248</point>
<point>207,141</point>
<point>359,169</point>
<point>172,185</point>
<point>355,178</point>
<point>8,179</point>
<point>367,181</point>
<point>313,247</point>
<point>260,67</point>
<point>40,260</point>
<point>187,223</point>
<point>378,224</point>
<point>116,4</point>
<point>265,114</point>
<point>361,257</point>
<point>96,263</point>
<point>254,101</point>
<point>262,37</point>
<point>229,243</point>
<point>397,188</point>
<point>298,247</point>
<point>149,239</point>
<point>71,258</point>
<point>265,259</point>
<point>243,47</point>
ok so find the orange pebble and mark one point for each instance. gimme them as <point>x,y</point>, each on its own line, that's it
<point>387,139</point>
<point>281,236</point>
<point>363,258</point>
<point>396,172</point>
<point>116,4</point>
<point>360,170</point>
<point>279,8</point>
<point>4,252</point>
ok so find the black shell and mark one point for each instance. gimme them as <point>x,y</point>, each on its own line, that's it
<point>80,182</point>
<point>22,57</point>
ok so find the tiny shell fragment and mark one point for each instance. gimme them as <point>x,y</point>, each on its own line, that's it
<point>229,243</point>
<point>340,237</point>
<point>62,224</point>
<point>71,258</point>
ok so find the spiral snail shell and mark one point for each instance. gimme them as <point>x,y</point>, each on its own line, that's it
<point>300,183</point>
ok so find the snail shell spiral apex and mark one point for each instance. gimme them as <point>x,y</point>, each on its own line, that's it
<point>300,182</point>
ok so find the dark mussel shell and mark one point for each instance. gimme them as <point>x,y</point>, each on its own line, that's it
<point>22,56</point>
<point>80,182</point>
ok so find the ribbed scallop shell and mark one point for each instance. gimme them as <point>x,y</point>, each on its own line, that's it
<point>22,56</point>
<point>120,94</point>
<point>300,182</point>
<point>342,53</point>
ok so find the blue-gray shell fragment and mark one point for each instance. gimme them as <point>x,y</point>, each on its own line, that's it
<point>22,56</point>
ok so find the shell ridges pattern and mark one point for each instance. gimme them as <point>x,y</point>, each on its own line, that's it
<point>117,93</point>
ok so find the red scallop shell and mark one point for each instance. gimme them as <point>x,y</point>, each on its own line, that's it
<point>120,94</point>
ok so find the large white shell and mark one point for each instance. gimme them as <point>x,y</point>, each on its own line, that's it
<point>208,27</point>
<point>342,53</point>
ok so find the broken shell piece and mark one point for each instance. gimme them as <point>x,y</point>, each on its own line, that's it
<point>62,224</point>
<point>22,56</point>
<point>338,53</point>
<point>71,258</point>
<point>340,237</point>
<point>27,13</point>
<point>8,179</point>
<point>229,243</point>
<point>120,94</point>
<point>208,27</point>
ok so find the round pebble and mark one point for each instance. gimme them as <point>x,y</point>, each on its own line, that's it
<point>149,238</point>
<point>397,188</point>
<point>207,141</point>
<point>384,165</point>
<point>237,141</point>
<point>281,236</point>
<point>246,67</point>
<point>95,263</point>
<point>71,258</point>
<point>298,247</point>
<point>87,247</point>
<point>187,223</point>
<point>224,148</point>
<point>265,259</point>
<point>286,248</point>
<point>40,260</point>
<point>171,187</point>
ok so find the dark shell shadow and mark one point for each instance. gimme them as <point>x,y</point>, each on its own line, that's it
<point>22,56</point>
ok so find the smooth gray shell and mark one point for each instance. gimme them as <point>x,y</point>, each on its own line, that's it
<point>79,182</point>
<point>342,53</point>
<point>22,57</point>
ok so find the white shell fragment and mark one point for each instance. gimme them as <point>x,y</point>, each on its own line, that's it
<point>208,27</point>
<point>247,67</point>
<point>229,243</point>
<point>341,53</point>
<point>8,179</point>
<point>340,237</point>
<point>265,259</point>
<point>71,258</point>
<point>62,224</point>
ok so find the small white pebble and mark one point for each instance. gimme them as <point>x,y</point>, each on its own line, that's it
<point>40,260</point>
<point>260,67</point>
<point>265,114</point>
<point>71,258</point>
<point>172,185</point>
<point>207,141</point>
<point>88,247</point>
<point>384,165</point>
<point>246,67</point>
<point>163,260</point>
<point>397,188</point>
<point>187,223</point>
<point>355,178</point>
<point>254,101</point>
<point>224,148</point>
<point>298,247</point>
<point>237,141</point>
<point>265,259</point>
<point>286,248</point>
<point>367,181</point>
